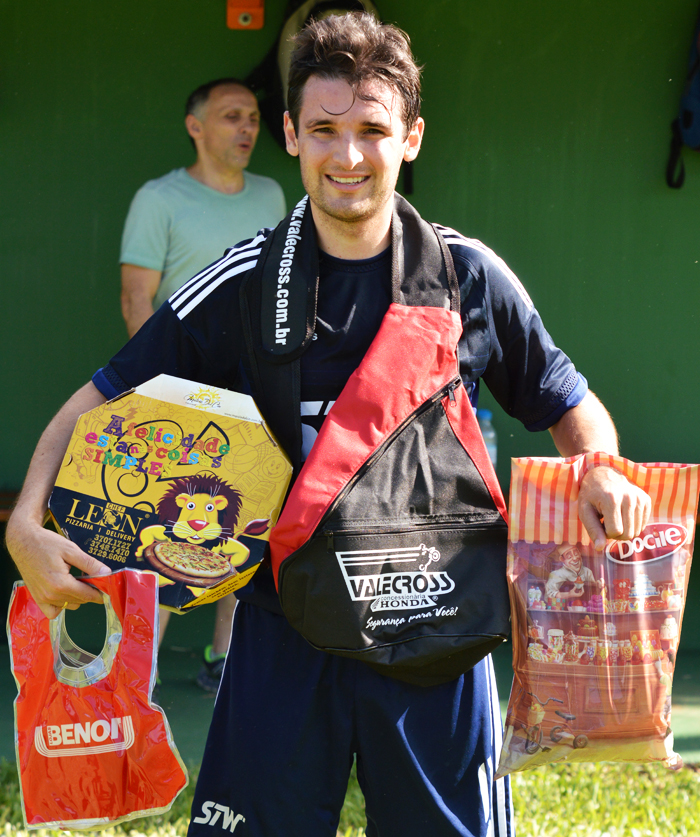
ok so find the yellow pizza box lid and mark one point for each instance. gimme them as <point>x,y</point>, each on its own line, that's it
<point>174,460</point>
<point>200,397</point>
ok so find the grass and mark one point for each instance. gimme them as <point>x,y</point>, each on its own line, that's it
<point>591,800</point>
<point>607,800</point>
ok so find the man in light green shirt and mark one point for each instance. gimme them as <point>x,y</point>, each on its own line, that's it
<point>180,223</point>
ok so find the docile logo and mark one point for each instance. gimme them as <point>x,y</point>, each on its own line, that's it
<point>659,540</point>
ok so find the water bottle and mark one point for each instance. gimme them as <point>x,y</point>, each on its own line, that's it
<point>488,432</point>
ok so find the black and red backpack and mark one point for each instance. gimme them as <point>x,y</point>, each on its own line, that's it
<point>391,547</point>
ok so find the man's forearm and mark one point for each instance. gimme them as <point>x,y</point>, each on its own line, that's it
<point>136,310</point>
<point>608,505</point>
<point>139,287</point>
<point>585,428</point>
<point>49,452</point>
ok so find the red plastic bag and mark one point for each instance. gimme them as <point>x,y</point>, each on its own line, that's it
<point>91,748</point>
<point>595,634</point>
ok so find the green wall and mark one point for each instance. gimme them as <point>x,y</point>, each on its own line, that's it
<point>547,135</point>
<point>551,147</point>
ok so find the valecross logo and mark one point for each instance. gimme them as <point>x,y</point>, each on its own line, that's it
<point>221,815</point>
<point>659,540</point>
<point>371,575</point>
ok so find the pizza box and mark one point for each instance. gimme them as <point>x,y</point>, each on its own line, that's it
<point>175,477</point>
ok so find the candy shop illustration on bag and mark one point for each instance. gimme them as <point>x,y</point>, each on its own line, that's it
<point>91,748</point>
<point>595,634</point>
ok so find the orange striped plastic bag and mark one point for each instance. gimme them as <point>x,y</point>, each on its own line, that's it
<point>595,634</point>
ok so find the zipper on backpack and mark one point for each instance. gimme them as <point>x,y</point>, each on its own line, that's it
<point>447,389</point>
<point>485,522</point>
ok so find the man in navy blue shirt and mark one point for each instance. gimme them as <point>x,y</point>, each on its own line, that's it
<point>290,719</point>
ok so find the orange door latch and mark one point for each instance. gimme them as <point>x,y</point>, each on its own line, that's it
<point>245,14</point>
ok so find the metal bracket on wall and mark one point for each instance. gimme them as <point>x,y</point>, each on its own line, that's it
<point>245,14</point>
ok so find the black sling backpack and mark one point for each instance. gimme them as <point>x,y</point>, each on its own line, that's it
<point>391,547</point>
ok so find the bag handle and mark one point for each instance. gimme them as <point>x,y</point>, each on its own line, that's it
<point>75,666</point>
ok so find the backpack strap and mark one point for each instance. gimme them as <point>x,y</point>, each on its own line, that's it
<point>422,270</point>
<point>278,313</point>
<point>685,128</point>
<point>675,170</point>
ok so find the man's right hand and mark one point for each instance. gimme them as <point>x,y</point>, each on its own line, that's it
<point>44,560</point>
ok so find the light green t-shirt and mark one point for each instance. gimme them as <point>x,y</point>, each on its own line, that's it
<point>178,226</point>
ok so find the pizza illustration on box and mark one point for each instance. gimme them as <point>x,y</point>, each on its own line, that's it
<point>193,541</point>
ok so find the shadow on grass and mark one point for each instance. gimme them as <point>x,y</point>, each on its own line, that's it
<point>690,744</point>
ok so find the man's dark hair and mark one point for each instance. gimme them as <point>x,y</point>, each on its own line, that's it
<point>357,48</point>
<point>200,96</point>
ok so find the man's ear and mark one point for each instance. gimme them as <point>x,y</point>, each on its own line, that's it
<point>413,140</point>
<point>193,126</point>
<point>290,135</point>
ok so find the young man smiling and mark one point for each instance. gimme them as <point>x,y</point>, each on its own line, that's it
<point>290,719</point>
<point>350,149</point>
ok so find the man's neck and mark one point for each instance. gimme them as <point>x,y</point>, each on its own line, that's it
<point>228,181</point>
<point>353,240</point>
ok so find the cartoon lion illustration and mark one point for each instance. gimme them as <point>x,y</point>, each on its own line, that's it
<point>202,510</point>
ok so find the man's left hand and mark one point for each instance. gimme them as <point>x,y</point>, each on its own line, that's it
<point>610,506</point>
